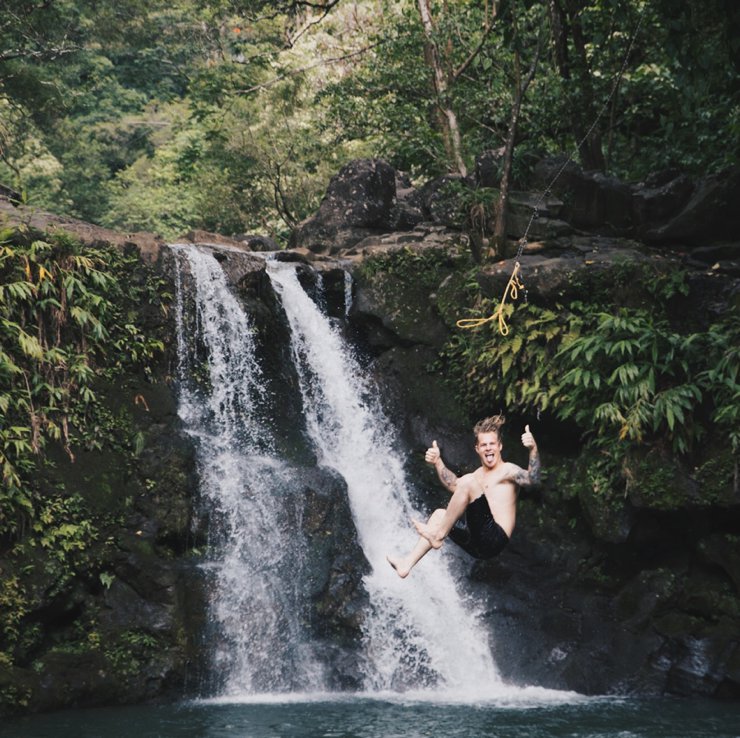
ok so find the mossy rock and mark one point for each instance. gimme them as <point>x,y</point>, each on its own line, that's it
<point>717,477</point>
<point>454,295</point>
<point>677,625</point>
<point>395,289</point>
<point>658,482</point>
<point>606,510</point>
<point>17,687</point>
<point>723,550</point>
<point>710,596</point>
<point>645,595</point>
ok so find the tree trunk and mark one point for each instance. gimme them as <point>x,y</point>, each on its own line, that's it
<point>566,25</point>
<point>520,89</point>
<point>446,115</point>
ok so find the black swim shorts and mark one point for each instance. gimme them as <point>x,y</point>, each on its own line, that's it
<point>478,533</point>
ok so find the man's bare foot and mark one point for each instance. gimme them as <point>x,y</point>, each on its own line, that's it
<point>430,534</point>
<point>398,564</point>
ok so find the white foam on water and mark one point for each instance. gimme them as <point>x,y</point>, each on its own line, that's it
<point>520,698</point>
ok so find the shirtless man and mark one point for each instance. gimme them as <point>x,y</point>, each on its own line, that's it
<point>485,499</point>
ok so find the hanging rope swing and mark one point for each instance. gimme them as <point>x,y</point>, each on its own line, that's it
<point>515,283</point>
<point>512,290</point>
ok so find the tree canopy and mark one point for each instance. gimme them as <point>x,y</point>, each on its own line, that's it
<point>231,115</point>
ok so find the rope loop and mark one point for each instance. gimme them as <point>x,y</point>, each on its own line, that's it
<point>512,289</point>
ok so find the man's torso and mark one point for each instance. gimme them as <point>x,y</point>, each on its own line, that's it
<point>500,492</point>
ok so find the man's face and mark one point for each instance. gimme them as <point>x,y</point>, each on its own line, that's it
<point>488,449</point>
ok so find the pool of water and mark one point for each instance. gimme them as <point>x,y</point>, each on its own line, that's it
<point>527,715</point>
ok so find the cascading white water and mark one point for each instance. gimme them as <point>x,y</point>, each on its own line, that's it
<point>347,293</point>
<point>420,632</point>
<point>256,608</point>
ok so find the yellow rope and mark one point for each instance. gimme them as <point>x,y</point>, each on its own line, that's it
<point>514,285</point>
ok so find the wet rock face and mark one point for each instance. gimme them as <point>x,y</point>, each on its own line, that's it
<point>641,618</point>
<point>335,564</point>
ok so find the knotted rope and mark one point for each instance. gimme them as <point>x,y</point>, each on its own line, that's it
<point>512,288</point>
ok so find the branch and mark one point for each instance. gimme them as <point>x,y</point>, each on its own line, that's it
<point>327,8</point>
<point>281,202</point>
<point>535,61</point>
<point>53,53</point>
<point>486,33</point>
<point>284,9</point>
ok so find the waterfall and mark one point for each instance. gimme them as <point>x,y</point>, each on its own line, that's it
<point>347,293</point>
<point>420,631</point>
<point>254,565</point>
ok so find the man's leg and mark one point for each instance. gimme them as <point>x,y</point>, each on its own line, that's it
<point>436,530</point>
<point>404,564</point>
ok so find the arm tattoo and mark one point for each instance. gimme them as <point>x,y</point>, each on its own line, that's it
<point>534,466</point>
<point>532,475</point>
<point>448,478</point>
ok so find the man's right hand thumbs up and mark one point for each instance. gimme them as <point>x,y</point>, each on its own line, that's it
<point>433,454</point>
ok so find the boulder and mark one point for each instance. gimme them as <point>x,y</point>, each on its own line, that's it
<point>535,215</point>
<point>407,212</point>
<point>257,243</point>
<point>659,198</point>
<point>358,202</point>
<point>593,200</point>
<point>238,265</point>
<point>389,311</point>
<point>440,200</point>
<point>207,238</point>
<point>559,275</point>
<point>723,550</point>
<point>710,215</point>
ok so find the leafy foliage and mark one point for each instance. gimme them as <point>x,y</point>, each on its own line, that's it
<point>626,377</point>
<point>231,116</point>
<point>423,267</point>
<point>73,321</point>
<point>62,320</point>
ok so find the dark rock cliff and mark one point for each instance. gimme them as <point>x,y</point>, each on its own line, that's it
<point>641,599</point>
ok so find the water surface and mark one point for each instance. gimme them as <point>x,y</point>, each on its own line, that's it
<point>523,716</point>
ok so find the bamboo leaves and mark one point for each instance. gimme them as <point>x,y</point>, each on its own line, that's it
<point>649,388</point>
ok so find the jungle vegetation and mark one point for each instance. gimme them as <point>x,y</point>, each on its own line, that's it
<point>231,115</point>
